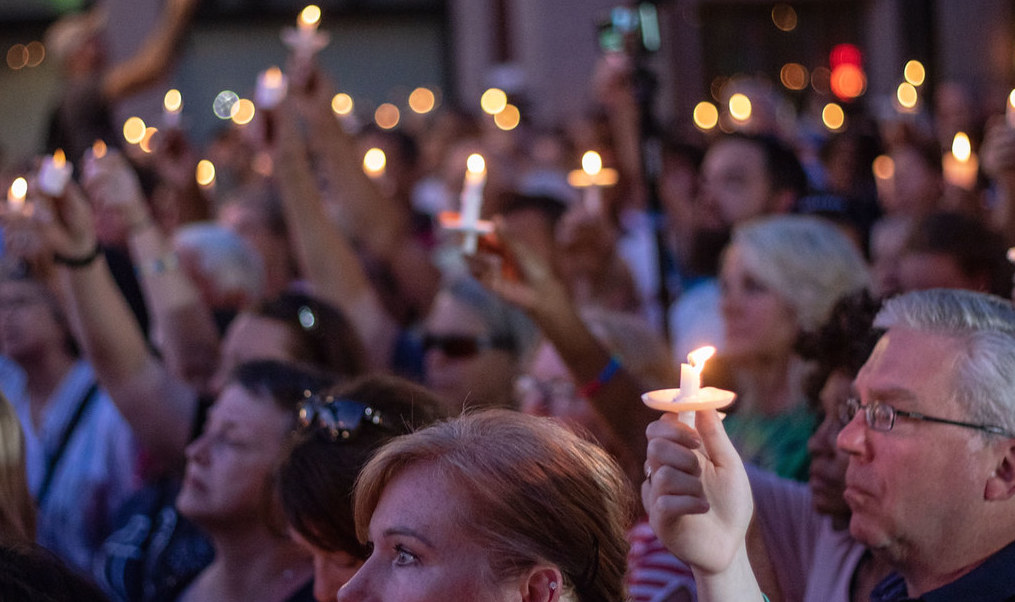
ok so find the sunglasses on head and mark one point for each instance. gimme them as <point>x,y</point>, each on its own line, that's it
<point>343,419</point>
<point>463,346</point>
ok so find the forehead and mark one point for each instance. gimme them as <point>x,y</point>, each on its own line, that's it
<point>239,406</point>
<point>420,499</point>
<point>739,155</point>
<point>918,363</point>
<point>451,315</point>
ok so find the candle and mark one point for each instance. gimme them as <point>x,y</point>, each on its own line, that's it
<point>98,149</point>
<point>54,174</point>
<point>305,40</point>
<point>960,166</point>
<point>272,87</point>
<point>374,163</point>
<point>690,397</point>
<point>472,200</point>
<point>1009,112</point>
<point>592,177</point>
<point>16,195</point>
<point>172,106</point>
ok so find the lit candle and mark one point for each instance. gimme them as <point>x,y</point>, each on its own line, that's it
<point>690,397</point>
<point>172,106</point>
<point>305,40</point>
<point>472,200</point>
<point>16,195</point>
<point>1009,111</point>
<point>592,177</point>
<point>961,165</point>
<point>98,149</point>
<point>272,86</point>
<point>374,163</point>
<point>54,174</point>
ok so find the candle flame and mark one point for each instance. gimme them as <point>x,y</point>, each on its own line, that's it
<point>699,356</point>
<point>476,164</point>
<point>173,101</point>
<point>272,77</point>
<point>592,163</point>
<point>1011,99</point>
<point>98,149</point>
<point>19,189</point>
<point>374,162</point>
<point>310,17</point>
<point>961,147</point>
<point>59,158</point>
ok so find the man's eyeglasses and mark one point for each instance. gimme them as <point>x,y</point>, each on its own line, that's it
<point>881,417</point>
<point>343,419</point>
<point>554,389</point>
<point>464,346</point>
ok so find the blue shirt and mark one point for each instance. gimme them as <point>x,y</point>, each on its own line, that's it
<point>992,581</point>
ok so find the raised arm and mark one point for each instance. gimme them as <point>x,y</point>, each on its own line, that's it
<point>152,60</point>
<point>699,504</point>
<point>183,324</point>
<point>325,256</point>
<point>158,407</point>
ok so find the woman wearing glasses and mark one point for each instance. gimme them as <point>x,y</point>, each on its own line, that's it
<point>339,432</point>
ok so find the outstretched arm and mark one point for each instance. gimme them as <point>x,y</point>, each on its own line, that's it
<point>699,504</point>
<point>152,59</point>
<point>158,407</point>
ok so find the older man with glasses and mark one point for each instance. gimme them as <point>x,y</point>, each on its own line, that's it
<point>931,476</point>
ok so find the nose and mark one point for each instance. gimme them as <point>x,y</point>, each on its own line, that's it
<point>853,436</point>
<point>197,450</point>
<point>823,441</point>
<point>356,589</point>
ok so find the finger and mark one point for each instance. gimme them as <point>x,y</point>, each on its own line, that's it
<point>662,452</point>
<point>669,427</point>
<point>714,439</point>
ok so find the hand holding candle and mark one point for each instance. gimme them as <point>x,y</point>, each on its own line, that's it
<point>305,41</point>
<point>690,397</point>
<point>54,174</point>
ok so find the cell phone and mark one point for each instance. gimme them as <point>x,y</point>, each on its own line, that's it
<point>628,24</point>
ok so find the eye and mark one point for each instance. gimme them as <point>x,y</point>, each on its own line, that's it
<point>404,557</point>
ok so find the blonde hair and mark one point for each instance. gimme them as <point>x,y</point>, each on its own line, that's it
<point>809,262</point>
<point>17,511</point>
<point>537,494</point>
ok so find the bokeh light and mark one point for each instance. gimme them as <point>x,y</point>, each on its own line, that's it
<point>907,95</point>
<point>833,116</point>
<point>848,81</point>
<point>740,107</point>
<point>961,147</point>
<point>592,163</point>
<point>223,104</point>
<point>706,115</point>
<point>422,100</point>
<point>17,57</point>
<point>821,78</point>
<point>134,130</point>
<point>147,140</point>
<point>883,167</point>
<point>508,119</point>
<point>915,73</point>
<point>342,104</point>
<point>793,76</point>
<point>243,111</point>
<point>493,101</point>
<point>310,15</point>
<point>784,17</point>
<point>387,116</point>
<point>374,162</point>
<point>205,173</point>
<point>36,54</point>
<point>475,163</point>
<point>173,100</point>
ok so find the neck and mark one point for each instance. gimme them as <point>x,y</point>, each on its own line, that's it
<point>256,565</point>
<point>44,371</point>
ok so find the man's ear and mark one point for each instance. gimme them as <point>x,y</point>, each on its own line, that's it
<point>1001,483</point>
<point>542,583</point>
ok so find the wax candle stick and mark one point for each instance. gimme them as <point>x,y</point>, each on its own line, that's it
<point>960,166</point>
<point>690,397</point>
<point>272,87</point>
<point>16,195</point>
<point>172,107</point>
<point>306,40</point>
<point>54,174</point>
<point>472,201</point>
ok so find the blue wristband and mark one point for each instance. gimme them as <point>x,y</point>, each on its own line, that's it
<point>592,387</point>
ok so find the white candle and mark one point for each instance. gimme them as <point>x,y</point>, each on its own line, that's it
<point>472,201</point>
<point>690,374</point>
<point>961,166</point>
<point>374,163</point>
<point>16,195</point>
<point>172,106</point>
<point>305,40</point>
<point>592,165</point>
<point>691,397</point>
<point>54,174</point>
<point>272,87</point>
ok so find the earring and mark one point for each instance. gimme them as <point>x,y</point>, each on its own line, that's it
<point>553,586</point>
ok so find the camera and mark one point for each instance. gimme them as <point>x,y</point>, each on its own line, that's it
<point>630,29</point>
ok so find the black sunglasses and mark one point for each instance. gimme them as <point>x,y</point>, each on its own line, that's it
<point>343,419</point>
<point>460,346</point>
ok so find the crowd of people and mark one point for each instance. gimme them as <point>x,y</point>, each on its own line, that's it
<point>297,384</point>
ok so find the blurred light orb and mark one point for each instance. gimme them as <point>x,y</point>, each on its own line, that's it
<point>907,95</point>
<point>740,107</point>
<point>205,173</point>
<point>243,111</point>
<point>784,17</point>
<point>706,115</point>
<point>833,116</point>
<point>493,101</point>
<point>793,76</point>
<point>422,100</point>
<point>508,118</point>
<point>883,167</point>
<point>223,104</point>
<point>387,116</point>
<point>342,104</point>
<point>848,81</point>
<point>915,73</point>
<point>134,130</point>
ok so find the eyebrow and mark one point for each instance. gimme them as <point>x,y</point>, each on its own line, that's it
<point>891,393</point>
<point>407,532</point>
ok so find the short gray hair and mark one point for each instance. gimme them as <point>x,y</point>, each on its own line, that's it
<point>807,260</point>
<point>985,372</point>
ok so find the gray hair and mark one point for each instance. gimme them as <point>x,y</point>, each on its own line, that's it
<point>985,372</point>
<point>225,258</point>
<point>806,259</point>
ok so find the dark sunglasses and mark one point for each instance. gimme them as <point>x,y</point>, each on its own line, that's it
<point>462,346</point>
<point>343,419</point>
